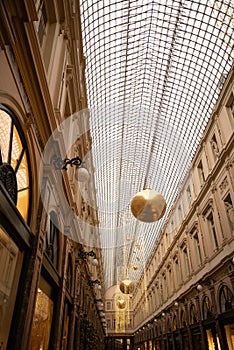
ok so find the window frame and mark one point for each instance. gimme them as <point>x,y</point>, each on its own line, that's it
<point>24,152</point>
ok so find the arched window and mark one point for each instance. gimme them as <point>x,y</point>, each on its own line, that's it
<point>193,314</point>
<point>14,169</point>
<point>183,319</point>
<point>206,308</point>
<point>69,274</point>
<point>169,325</point>
<point>225,299</point>
<point>52,239</point>
<point>174,323</point>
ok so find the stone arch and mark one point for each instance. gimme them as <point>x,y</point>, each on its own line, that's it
<point>183,320</point>
<point>226,298</point>
<point>206,308</point>
<point>193,314</point>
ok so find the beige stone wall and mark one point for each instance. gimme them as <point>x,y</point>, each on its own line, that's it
<point>197,241</point>
<point>42,81</point>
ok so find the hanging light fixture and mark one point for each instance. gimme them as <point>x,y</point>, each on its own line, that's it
<point>82,174</point>
<point>127,286</point>
<point>148,205</point>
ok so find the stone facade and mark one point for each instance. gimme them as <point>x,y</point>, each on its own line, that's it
<point>185,300</point>
<point>49,301</point>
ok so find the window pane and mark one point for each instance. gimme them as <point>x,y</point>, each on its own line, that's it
<point>13,151</point>
<point>5,127</point>
<point>42,319</point>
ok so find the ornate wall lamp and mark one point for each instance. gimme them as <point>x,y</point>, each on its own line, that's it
<point>83,255</point>
<point>199,287</point>
<point>92,283</point>
<point>99,302</point>
<point>82,173</point>
<point>203,283</point>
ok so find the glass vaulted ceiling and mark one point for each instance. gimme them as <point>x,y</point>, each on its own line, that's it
<point>154,70</point>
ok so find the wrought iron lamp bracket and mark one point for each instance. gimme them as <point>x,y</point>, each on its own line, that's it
<point>83,255</point>
<point>63,163</point>
<point>92,283</point>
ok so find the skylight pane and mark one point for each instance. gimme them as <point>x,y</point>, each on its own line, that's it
<point>156,67</point>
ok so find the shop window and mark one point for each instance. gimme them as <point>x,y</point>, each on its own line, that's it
<point>212,340</point>
<point>14,169</point>
<point>42,321</point>
<point>225,299</point>
<point>52,239</point>
<point>229,330</point>
<point>10,267</point>
<point>66,319</point>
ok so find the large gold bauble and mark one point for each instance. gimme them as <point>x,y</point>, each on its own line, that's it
<point>121,303</point>
<point>148,205</point>
<point>127,286</point>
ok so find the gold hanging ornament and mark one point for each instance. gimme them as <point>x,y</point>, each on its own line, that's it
<point>127,286</point>
<point>148,205</point>
<point>121,303</point>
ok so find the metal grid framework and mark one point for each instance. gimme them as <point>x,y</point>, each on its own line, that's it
<point>154,71</point>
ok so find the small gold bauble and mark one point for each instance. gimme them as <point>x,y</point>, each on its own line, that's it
<point>127,286</point>
<point>148,205</point>
<point>121,303</point>
<point>135,267</point>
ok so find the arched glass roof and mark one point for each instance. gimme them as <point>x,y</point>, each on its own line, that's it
<point>154,70</point>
